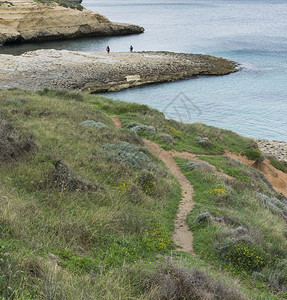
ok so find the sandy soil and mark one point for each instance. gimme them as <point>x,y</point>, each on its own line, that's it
<point>277,178</point>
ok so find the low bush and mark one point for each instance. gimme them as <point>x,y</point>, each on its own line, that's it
<point>6,2</point>
<point>141,128</point>
<point>176,283</point>
<point>201,166</point>
<point>253,154</point>
<point>93,124</point>
<point>277,276</point>
<point>147,182</point>
<point>275,205</point>
<point>204,142</point>
<point>64,3</point>
<point>246,256</point>
<point>12,144</point>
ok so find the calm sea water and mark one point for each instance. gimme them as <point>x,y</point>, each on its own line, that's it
<point>252,102</point>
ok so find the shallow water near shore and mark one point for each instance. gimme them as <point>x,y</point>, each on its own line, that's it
<point>252,102</point>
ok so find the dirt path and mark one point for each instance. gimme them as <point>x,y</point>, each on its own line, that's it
<point>181,235</point>
<point>117,121</point>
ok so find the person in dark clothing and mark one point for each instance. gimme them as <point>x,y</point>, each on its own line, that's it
<point>131,48</point>
<point>108,49</point>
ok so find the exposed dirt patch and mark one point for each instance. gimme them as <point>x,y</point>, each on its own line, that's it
<point>277,178</point>
<point>117,121</point>
<point>13,145</point>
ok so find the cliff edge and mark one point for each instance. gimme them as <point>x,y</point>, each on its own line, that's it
<point>27,20</point>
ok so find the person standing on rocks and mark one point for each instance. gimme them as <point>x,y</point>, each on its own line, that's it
<point>108,49</point>
<point>131,48</point>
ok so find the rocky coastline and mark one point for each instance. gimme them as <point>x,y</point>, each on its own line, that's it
<point>273,148</point>
<point>28,21</point>
<point>101,72</point>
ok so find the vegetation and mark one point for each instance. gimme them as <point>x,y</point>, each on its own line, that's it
<point>236,223</point>
<point>196,138</point>
<point>6,2</point>
<point>86,211</point>
<point>280,165</point>
<point>62,205</point>
<point>64,3</point>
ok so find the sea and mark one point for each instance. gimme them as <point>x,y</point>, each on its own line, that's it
<point>253,33</point>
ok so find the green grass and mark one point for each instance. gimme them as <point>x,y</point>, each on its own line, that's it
<point>238,171</point>
<point>280,165</point>
<point>184,135</point>
<point>88,231</point>
<point>103,230</point>
<point>234,203</point>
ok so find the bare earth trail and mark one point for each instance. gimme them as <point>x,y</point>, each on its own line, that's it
<point>181,236</point>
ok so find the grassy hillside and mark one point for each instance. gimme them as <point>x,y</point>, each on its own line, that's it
<point>86,211</point>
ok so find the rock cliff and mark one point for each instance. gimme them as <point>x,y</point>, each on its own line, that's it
<point>27,20</point>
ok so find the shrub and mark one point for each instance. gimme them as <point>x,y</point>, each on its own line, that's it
<point>219,192</point>
<point>204,142</point>
<point>132,156</point>
<point>64,3</point>
<point>93,124</point>
<point>167,138</point>
<point>176,283</point>
<point>13,145</point>
<point>277,276</point>
<point>201,166</point>
<point>141,128</point>
<point>203,217</point>
<point>246,256</point>
<point>277,206</point>
<point>147,183</point>
<point>127,153</point>
<point>253,153</point>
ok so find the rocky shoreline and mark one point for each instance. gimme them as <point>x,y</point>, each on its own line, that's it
<point>101,72</point>
<point>275,148</point>
<point>27,21</point>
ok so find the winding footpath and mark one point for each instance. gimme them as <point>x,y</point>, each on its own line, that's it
<point>181,235</point>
